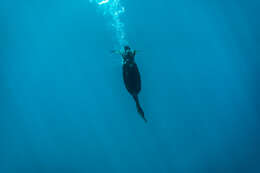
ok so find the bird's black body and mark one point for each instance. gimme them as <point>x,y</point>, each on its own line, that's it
<point>132,79</point>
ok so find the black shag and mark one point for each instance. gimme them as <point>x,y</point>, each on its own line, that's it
<point>131,76</point>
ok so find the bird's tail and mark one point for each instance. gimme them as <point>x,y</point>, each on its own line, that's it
<point>139,109</point>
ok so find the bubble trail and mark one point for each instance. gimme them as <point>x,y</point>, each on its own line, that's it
<point>114,9</point>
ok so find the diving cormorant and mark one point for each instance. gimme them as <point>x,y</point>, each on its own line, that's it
<point>131,76</point>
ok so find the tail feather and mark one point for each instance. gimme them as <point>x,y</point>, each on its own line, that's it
<point>139,109</point>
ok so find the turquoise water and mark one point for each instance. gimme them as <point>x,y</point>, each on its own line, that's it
<point>64,107</point>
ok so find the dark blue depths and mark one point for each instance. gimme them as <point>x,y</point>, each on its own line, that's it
<point>64,108</point>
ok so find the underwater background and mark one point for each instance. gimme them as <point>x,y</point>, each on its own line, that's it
<point>64,107</point>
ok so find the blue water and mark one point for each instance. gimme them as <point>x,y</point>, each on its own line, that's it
<point>64,107</point>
